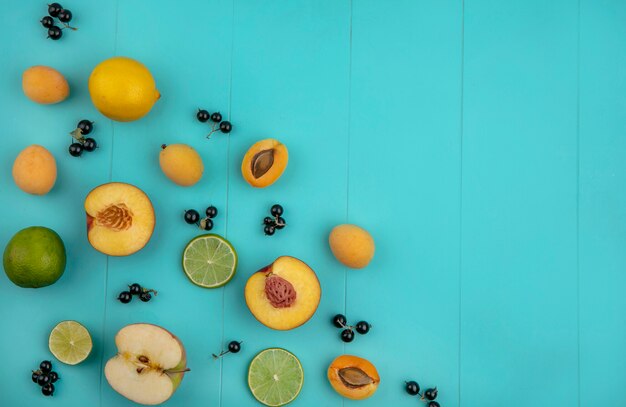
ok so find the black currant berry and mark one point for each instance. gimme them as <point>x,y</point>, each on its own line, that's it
<point>412,388</point>
<point>433,404</point>
<point>85,127</point>
<point>192,216</point>
<point>340,321</point>
<point>280,223</point>
<point>430,394</point>
<point>203,115</point>
<point>65,16</point>
<point>226,127</point>
<point>54,9</point>
<point>45,366</point>
<point>35,376</point>
<point>134,289</point>
<point>48,389</point>
<point>76,149</point>
<point>362,327</point>
<point>268,221</point>
<point>90,144</point>
<point>276,210</point>
<point>211,212</point>
<point>234,347</point>
<point>54,376</point>
<point>43,379</point>
<point>125,297</point>
<point>145,296</point>
<point>47,21</point>
<point>347,335</point>
<point>54,33</point>
<point>206,224</point>
<point>269,230</point>
<point>216,117</point>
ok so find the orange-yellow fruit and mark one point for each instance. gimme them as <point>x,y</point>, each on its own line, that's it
<point>353,246</point>
<point>44,85</point>
<point>283,295</point>
<point>35,170</point>
<point>264,163</point>
<point>353,377</point>
<point>120,218</point>
<point>181,163</point>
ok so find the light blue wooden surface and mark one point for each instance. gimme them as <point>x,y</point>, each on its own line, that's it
<point>482,143</point>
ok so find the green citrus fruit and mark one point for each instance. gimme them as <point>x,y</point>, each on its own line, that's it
<point>34,257</point>
<point>70,342</point>
<point>209,261</point>
<point>275,377</point>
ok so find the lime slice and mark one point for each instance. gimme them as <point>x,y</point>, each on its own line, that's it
<point>209,261</point>
<point>70,342</point>
<point>275,377</point>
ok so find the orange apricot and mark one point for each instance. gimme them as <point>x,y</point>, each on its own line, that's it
<point>35,170</point>
<point>352,245</point>
<point>353,377</point>
<point>44,85</point>
<point>264,162</point>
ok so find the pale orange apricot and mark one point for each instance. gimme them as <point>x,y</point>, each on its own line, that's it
<point>353,377</point>
<point>35,170</point>
<point>264,163</point>
<point>44,85</point>
<point>352,245</point>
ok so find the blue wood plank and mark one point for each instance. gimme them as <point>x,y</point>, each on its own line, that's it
<point>602,202</point>
<point>404,186</point>
<point>519,210</point>
<point>290,82</point>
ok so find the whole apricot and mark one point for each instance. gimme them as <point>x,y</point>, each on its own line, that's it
<point>352,245</point>
<point>35,170</point>
<point>181,163</point>
<point>44,85</point>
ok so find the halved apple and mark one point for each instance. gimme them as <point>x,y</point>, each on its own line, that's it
<point>149,366</point>
<point>120,218</point>
<point>283,295</point>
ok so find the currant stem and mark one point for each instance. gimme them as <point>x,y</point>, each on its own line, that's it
<point>224,352</point>
<point>69,26</point>
<point>149,290</point>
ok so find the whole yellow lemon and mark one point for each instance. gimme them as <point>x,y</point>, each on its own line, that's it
<point>122,89</point>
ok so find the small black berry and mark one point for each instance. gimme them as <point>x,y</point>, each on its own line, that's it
<point>76,149</point>
<point>234,347</point>
<point>45,366</point>
<point>211,212</point>
<point>216,117</point>
<point>433,404</point>
<point>47,21</point>
<point>89,144</point>
<point>430,394</point>
<point>269,221</point>
<point>134,289</point>
<point>54,9</point>
<point>35,376</point>
<point>362,327</point>
<point>347,335</point>
<point>340,321</point>
<point>276,210</point>
<point>145,296</point>
<point>125,297</point>
<point>206,224</point>
<point>412,388</point>
<point>65,16</point>
<point>54,33</point>
<point>48,389</point>
<point>280,223</point>
<point>43,379</point>
<point>269,230</point>
<point>85,127</point>
<point>192,216</point>
<point>226,127</point>
<point>203,115</point>
<point>54,376</point>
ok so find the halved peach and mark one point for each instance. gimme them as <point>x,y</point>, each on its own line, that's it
<point>120,218</point>
<point>353,377</point>
<point>283,295</point>
<point>264,162</point>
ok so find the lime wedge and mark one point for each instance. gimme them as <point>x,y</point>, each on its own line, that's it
<point>70,342</point>
<point>209,261</point>
<point>275,377</point>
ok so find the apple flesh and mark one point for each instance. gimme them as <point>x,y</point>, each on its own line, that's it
<point>149,366</point>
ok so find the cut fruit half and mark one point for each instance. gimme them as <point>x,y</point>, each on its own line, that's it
<point>275,377</point>
<point>209,261</point>
<point>70,342</point>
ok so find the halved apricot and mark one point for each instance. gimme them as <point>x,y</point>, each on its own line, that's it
<point>264,162</point>
<point>353,377</point>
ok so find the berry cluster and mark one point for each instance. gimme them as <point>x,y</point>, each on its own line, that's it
<point>83,128</point>
<point>413,388</point>
<point>135,289</point>
<point>192,217</point>
<point>55,10</point>
<point>204,116</point>
<point>45,377</point>
<point>347,334</point>
<point>274,222</point>
<point>233,347</point>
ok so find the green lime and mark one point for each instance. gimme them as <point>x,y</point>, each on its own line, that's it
<point>34,257</point>
<point>275,377</point>
<point>209,261</point>
<point>70,342</point>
